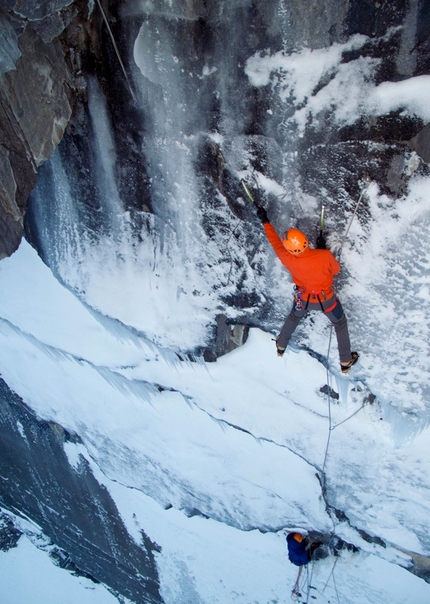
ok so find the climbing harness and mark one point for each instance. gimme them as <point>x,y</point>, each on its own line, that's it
<point>117,51</point>
<point>314,296</point>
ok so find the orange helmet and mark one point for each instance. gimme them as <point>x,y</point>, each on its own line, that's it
<point>298,537</point>
<point>295,241</point>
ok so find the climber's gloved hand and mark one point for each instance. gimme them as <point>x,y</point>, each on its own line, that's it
<point>262,214</point>
<point>321,242</point>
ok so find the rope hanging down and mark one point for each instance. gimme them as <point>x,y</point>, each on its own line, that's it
<point>331,427</point>
<point>117,52</point>
<point>302,585</point>
<point>362,192</point>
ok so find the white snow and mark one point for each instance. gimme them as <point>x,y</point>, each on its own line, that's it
<point>28,575</point>
<point>317,82</point>
<point>240,440</point>
<point>411,95</point>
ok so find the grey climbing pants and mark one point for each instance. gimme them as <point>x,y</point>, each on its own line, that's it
<point>336,316</point>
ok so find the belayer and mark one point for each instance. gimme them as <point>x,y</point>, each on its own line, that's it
<point>298,549</point>
<point>300,552</point>
<point>313,271</point>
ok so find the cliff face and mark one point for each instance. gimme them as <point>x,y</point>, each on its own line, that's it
<point>68,503</point>
<point>157,182</point>
<point>38,83</point>
<point>47,49</point>
<point>44,46</point>
<point>138,206</point>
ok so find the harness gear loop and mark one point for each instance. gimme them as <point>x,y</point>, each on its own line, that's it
<point>298,294</point>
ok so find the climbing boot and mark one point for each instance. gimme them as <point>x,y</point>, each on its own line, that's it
<point>279,349</point>
<point>345,367</point>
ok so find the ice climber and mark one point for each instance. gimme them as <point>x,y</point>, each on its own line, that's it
<point>301,550</point>
<point>297,549</point>
<point>313,271</point>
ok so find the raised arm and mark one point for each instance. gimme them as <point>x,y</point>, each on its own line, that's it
<point>273,237</point>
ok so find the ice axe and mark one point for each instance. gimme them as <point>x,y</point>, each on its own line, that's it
<point>247,191</point>
<point>261,212</point>
<point>321,243</point>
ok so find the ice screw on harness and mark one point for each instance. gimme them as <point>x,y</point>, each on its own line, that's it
<point>298,294</point>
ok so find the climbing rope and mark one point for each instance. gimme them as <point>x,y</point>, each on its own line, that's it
<point>302,584</point>
<point>117,51</point>
<point>330,576</point>
<point>309,575</point>
<point>331,427</point>
<point>362,192</point>
<point>329,389</point>
<point>302,588</point>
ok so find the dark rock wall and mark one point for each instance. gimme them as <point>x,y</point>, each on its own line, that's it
<point>39,79</point>
<point>337,158</point>
<point>47,46</point>
<point>9,534</point>
<point>71,507</point>
<point>178,43</point>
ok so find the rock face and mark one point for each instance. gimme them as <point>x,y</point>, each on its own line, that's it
<point>9,534</point>
<point>37,88</point>
<point>227,338</point>
<point>146,172</point>
<point>68,503</point>
<point>40,77</point>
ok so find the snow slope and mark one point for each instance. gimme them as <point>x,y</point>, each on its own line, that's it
<point>28,575</point>
<point>238,441</point>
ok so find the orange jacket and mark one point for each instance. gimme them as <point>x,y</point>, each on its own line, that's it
<point>313,270</point>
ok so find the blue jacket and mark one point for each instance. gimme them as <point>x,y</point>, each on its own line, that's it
<point>296,551</point>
